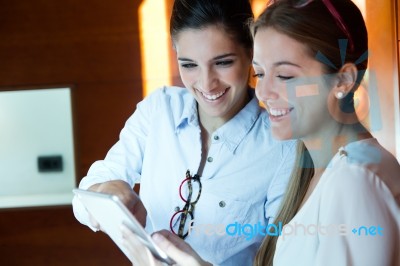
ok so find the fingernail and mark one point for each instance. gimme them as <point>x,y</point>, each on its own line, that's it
<point>123,230</point>
<point>158,238</point>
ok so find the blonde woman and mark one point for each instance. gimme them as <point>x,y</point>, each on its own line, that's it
<point>310,57</point>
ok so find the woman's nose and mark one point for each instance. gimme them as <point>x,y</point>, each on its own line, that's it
<point>208,81</point>
<point>265,90</point>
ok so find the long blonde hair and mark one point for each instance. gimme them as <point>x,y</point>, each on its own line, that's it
<point>298,185</point>
<point>313,25</point>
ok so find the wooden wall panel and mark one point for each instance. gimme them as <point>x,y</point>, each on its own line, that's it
<point>94,47</point>
<point>383,62</point>
<point>52,236</point>
<point>175,76</point>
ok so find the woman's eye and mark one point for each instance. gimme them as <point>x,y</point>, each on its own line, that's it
<point>188,65</point>
<point>224,63</point>
<point>284,77</point>
<point>258,75</point>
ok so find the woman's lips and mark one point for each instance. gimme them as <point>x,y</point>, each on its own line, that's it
<point>277,114</point>
<point>215,96</point>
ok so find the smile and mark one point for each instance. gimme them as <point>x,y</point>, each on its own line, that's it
<point>279,112</point>
<point>213,97</point>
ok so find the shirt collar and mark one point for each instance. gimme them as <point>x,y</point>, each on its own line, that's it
<point>189,114</point>
<point>233,131</point>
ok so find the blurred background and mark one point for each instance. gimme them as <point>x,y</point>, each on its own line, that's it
<point>72,72</point>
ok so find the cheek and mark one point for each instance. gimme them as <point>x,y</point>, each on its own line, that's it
<point>259,91</point>
<point>186,77</point>
<point>314,116</point>
<point>240,74</point>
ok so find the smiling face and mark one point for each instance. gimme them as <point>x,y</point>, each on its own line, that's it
<point>215,69</point>
<point>291,84</point>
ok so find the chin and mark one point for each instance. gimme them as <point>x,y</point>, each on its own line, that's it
<point>280,134</point>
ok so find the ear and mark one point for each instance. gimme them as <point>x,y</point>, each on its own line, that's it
<point>346,79</point>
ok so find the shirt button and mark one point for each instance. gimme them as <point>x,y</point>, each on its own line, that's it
<point>216,137</point>
<point>222,204</point>
<point>176,209</point>
<point>209,159</point>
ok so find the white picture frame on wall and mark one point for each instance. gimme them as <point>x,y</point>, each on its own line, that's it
<point>36,124</point>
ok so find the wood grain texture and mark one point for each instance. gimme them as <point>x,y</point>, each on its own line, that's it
<point>52,236</point>
<point>92,46</point>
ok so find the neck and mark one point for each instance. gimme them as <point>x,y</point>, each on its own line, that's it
<point>212,123</point>
<point>323,145</point>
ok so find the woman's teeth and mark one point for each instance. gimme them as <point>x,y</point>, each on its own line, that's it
<point>213,97</point>
<point>279,112</point>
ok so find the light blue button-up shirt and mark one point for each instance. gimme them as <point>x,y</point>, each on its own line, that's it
<point>243,181</point>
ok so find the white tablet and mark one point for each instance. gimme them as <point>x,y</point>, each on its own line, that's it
<point>111,213</point>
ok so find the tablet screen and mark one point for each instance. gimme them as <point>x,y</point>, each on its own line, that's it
<point>111,213</point>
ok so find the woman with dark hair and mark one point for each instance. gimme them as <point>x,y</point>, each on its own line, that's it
<point>342,206</point>
<point>204,154</point>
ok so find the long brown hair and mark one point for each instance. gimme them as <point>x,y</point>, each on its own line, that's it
<point>313,25</point>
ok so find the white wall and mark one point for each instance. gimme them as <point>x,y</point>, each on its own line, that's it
<point>35,123</point>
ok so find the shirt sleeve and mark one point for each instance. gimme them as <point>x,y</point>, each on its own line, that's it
<point>280,181</point>
<point>124,160</point>
<point>361,221</point>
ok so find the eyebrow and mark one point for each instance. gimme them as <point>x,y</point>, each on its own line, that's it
<point>215,58</point>
<point>280,63</point>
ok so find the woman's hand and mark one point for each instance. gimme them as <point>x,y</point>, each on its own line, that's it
<point>177,249</point>
<point>126,194</point>
<point>138,253</point>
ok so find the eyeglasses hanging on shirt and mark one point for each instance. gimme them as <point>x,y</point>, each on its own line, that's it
<point>190,186</point>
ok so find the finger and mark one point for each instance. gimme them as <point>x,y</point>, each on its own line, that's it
<point>139,254</point>
<point>129,237</point>
<point>93,222</point>
<point>181,253</point>
<point>176,241</point>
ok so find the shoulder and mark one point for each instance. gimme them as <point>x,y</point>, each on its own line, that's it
<point>168,93</point>
<point>168,99</point>
<point>351,194</point>
<point>373,159</point>
<point>343,177</point>
<point>349,187</point>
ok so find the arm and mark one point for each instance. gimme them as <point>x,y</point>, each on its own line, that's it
<point>122,167</point>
